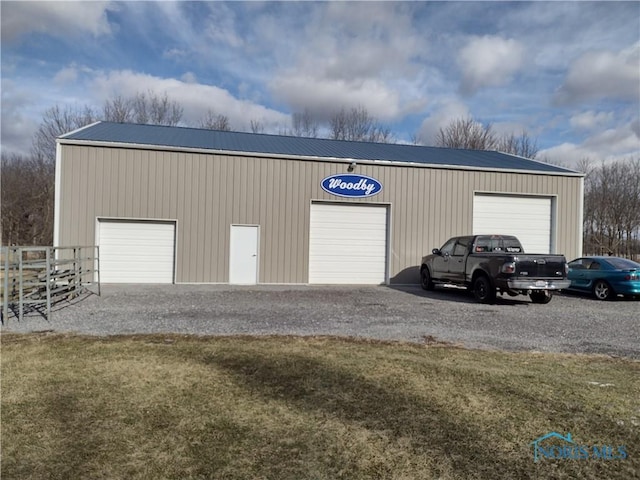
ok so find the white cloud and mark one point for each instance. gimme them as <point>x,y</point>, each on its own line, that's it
<point>615,141</point>
<point>196,99</point>
<point>342,58</point>
<point>17,125</point>
<point>590,120</point>
<point>449,110</point>
<point>607,145</point>
<point>489,61</point>
<point>324,97</point>
<point>343,43</point>
<point>174,54</point>
<point>66,76</point>
<point>59,19</point>
<point>602,74</point>
<point>189,77</point>
<point>221,26</point>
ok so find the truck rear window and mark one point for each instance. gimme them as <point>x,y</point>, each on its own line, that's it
<point>497,244</point>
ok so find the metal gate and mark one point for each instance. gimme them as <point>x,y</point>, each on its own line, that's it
<point>34,279</point>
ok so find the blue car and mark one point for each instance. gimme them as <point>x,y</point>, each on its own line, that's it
<point>605,277</point>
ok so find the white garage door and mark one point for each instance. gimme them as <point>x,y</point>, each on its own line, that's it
<point>136,252</point>
<point>528,218</point>
<point>348,244</point>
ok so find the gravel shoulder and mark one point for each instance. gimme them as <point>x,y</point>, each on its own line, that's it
<point>571,324</point>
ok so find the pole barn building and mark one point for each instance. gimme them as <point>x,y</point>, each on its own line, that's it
<point>183,205</point>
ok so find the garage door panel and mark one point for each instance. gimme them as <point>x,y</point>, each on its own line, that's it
<point>528,218</point>
<point>136,251</point>
<point>348,244</point>
<point>368,260</point>
<point>361,242</point>
<point>364,267</point>
<point>131,264</point>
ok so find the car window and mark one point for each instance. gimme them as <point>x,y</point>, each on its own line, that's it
<point>594,266</point>
<point>448,247</point>
<point>578,264</point>
<point>622,263</point>
<point>461,247</point>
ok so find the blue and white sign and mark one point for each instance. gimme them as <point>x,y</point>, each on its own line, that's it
<point>351,185</point>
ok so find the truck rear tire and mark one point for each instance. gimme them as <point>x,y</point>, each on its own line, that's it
<point>483,291</point>
<point>541,296</point>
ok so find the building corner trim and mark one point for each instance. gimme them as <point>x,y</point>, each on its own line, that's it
<point>57,196</point>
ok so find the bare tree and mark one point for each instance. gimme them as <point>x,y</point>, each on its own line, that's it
<point>149,108</point>
<point>467,133</point>
<point>55,122</point>
<point>213,121</point>
<point>584,165</point>
<point>27,186</point>
<point>256,126</point>
<point>304,125</point>
<point>473,135</point>
<point>118,109</point>
<point>358,126</point>
<point>522,145</point>
<point>612,209</point>
<point>162,111</point>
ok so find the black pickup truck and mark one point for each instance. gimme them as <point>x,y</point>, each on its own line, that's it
<point>487,264</point>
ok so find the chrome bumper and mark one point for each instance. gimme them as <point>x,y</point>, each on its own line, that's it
<point>538,284</point>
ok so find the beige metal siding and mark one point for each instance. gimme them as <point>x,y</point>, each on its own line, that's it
<point>206,193</point>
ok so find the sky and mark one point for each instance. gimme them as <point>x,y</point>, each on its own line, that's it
<point>566,73</point>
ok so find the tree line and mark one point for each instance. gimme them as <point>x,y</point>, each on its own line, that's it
<point>611,220</point>
<point>612,196</point>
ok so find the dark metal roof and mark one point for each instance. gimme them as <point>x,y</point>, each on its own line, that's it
<point>194,138</point>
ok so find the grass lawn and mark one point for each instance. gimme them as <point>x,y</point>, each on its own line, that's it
<point>160,407</point>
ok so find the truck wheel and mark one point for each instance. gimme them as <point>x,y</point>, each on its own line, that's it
<point>425,279</point>
<point>541,296</point>
<point>603,291</point>
<point>483,291</point>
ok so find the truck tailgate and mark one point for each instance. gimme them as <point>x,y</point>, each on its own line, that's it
<point>540,266</point>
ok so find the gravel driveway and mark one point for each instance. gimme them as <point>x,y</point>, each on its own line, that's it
<point>567,324</point>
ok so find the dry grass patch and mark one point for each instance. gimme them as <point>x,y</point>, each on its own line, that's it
<point>304,408</point>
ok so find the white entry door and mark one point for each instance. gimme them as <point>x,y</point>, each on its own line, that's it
<point>243,260</point>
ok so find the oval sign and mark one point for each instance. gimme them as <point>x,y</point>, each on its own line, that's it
<point>350,185</point>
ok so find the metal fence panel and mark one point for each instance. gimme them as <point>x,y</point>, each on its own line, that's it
<point>37,278</point>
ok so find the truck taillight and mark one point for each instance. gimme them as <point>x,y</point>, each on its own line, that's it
<point>509,267</point>
<point>566,269</point>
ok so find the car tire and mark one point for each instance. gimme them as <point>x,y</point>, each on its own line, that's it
<point>541,296</point>
<point>603,291</point>
<point>425,279</point>
<point>483,291</point>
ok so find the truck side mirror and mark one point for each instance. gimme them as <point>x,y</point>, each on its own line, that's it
<point>436,251</point>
